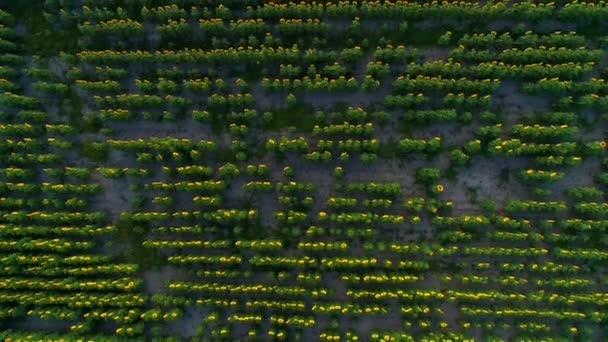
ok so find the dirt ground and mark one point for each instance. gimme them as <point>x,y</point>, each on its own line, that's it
<point>484,178</point>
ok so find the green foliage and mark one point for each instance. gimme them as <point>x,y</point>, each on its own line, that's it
<point>580,193</point>
<point>488,205</point>
<point>458,158</point>
<point>428,175</point>
<point>228,171</point>
<point>94,150</point>
<point>106,177</point>
<point>445,39</point>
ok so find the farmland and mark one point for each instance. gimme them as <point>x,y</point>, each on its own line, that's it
<point>244,170</point>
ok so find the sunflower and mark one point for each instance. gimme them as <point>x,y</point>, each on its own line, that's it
<point>439,188</point>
